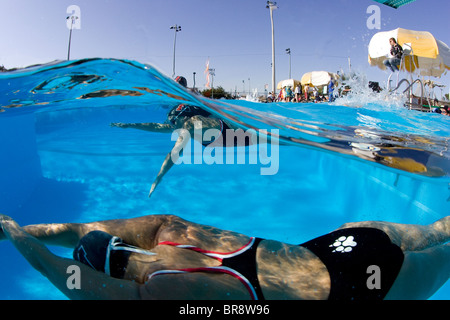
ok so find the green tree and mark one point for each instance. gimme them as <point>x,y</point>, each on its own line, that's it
<point>216,93</point>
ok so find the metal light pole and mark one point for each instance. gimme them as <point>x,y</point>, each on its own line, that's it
<point>177,29</point>
<point>288,51</point>
<point>272,6</point>
<point>73,18</point>
<point>194,80</point>
<point>212,72</point>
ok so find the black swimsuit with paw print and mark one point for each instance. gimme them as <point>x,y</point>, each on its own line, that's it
<point>348,254</point>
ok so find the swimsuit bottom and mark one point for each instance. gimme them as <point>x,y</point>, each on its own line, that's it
<point>363,263</point>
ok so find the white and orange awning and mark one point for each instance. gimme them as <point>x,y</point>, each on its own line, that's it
<point>423,53</point>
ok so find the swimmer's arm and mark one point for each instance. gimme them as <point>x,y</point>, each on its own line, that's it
<point>150,126</point>
<point>171,157</point>
<point>185,134</point>
<point>59,234</point>
<point>142,231</point>
<point>92,284</point>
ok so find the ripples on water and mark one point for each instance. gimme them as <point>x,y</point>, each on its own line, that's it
<point>372,127</point>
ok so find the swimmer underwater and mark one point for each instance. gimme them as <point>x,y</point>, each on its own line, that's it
<point>165,257</point>
<point>189,118</point>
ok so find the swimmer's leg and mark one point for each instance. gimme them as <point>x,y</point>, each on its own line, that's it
<point>426,265</point>
<point>422,273</point>
<point>410,237</point>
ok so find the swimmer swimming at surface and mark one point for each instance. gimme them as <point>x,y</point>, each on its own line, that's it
<point>147,257</point>
<point>189,118</point>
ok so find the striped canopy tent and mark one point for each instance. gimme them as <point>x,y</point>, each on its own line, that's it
<point>318,78</point>
<point>394,3</point>
<point>423,54</point>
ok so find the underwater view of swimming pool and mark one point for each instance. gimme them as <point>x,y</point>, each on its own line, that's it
<point>358,158</point>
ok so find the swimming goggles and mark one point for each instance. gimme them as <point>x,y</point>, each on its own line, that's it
<point>183,108</point>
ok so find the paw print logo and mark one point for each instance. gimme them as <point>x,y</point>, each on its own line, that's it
<point>343,244</point>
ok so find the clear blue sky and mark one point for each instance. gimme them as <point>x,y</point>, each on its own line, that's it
<point>234,34</point>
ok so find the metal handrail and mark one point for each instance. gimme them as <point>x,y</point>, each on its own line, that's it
<point>409,89</point>
<point>400,83</point>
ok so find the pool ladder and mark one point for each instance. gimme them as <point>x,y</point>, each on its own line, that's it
<point>408,51</point>
<point>411,104</point>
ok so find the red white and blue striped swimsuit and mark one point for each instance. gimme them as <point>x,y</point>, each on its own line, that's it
<point>243,259</point>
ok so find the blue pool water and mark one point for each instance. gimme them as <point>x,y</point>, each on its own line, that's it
<point>61,161</point>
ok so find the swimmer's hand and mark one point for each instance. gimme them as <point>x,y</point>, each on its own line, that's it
<point>120,125</point>
<point>152,189</point>
<point>4,219</point>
